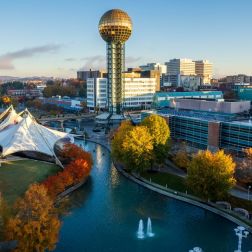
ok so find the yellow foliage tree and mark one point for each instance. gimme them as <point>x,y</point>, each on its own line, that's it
<point>118,138</point>
<point>137,148</point>
<point>157,128</point>
<point>248,153</point>
<point>181,158</point>
<point>210,175</point>
<point>6,100</point>
<point>160,132</point>
<point>36,224</point>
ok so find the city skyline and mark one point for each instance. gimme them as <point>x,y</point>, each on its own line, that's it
<point>60,37</point>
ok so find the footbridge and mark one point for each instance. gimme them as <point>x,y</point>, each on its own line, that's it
<point>62,118</point>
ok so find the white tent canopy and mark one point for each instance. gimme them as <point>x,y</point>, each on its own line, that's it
<point>28,135</point>
<point>12,118</point>
<point>5,112</point>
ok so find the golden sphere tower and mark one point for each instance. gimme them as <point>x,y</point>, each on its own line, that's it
<point>115,28</point>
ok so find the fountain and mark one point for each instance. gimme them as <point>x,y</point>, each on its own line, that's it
<point>196,249</point>
<point>140,232</point>
<point>149,228</point>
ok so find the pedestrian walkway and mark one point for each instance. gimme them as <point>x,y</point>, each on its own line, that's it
<point>170,167</point>
<point>241,193</point>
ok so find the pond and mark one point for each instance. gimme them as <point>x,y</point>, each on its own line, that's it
<point>105,213</point>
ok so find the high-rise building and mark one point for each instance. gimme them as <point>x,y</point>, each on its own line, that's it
<point>180,66</point>
<point>97,93</point>
<point>188,70</point>
<point>204,69</point>
<point>84,75</point>
<point>240,78</point>
<point>154,70</point>
<point>154,66</point>
<point>138,92</point>
<point>115,28</point>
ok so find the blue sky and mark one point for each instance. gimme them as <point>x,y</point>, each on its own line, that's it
<point>58,37</point>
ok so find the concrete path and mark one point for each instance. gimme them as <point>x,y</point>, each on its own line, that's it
<point>241,193</point>
<point>100,137</point>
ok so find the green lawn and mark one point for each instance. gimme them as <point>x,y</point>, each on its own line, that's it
<point>16,176</point>
<point>172,181</point>
<point>178,183</point>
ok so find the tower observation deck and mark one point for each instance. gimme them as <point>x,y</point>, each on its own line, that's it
<point>115,28</point>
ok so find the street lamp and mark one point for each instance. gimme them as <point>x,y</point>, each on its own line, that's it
<point>196,249</point>
<point>241,233</point>
<point>249,187</point>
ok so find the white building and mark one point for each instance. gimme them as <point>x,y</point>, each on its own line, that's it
<point>177,68</point>
<point>97,93</point>
<point>137,92</point>
<point>204,69</point>
<point>180,66</point>
<point>154,66</point>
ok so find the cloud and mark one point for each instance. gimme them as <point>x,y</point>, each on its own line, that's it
<point>129,61</point>
<point>99,62</point>
<point>94,62</point>
<point>70,59</point>
<point>7,60</point>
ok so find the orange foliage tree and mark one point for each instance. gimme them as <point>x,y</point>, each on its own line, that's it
<point>78,168</point>
<point>36,224</point>
<point>72,152</point>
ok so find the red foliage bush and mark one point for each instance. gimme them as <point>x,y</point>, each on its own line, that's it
<point>79,169</point>
<point>73,152</point>
<point>76,171</point>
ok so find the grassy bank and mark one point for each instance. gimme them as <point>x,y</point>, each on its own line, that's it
<point>172,181</point>
<point>16,177</point>
<point>177,183</point>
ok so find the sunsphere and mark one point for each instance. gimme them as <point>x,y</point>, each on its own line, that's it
<point>115,26</point>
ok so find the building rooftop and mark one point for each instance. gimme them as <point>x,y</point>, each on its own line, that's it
<point>247,123</point>
<point>165,94</point>
<point>202,115</point>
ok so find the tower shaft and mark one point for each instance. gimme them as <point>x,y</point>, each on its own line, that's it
<point>115,66</point>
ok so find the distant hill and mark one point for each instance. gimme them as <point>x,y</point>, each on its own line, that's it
<point>11,78</point>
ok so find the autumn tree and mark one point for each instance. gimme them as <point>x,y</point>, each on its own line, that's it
<point>243,172</point>
<point>79,164</point>
<point>181,158</point>
<point>72,152</point>
<point>36,224</point>
<point>6,100</point>
<point>137,149</point>
<point>79,169</point>
<point>160,132</point>
<point>5,213</point>
<point>210,175</point>
<point>118,139</point>
<point>158,129</point>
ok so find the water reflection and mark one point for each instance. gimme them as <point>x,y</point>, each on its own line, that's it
<point>108,210</point>
<point>77,199</point>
